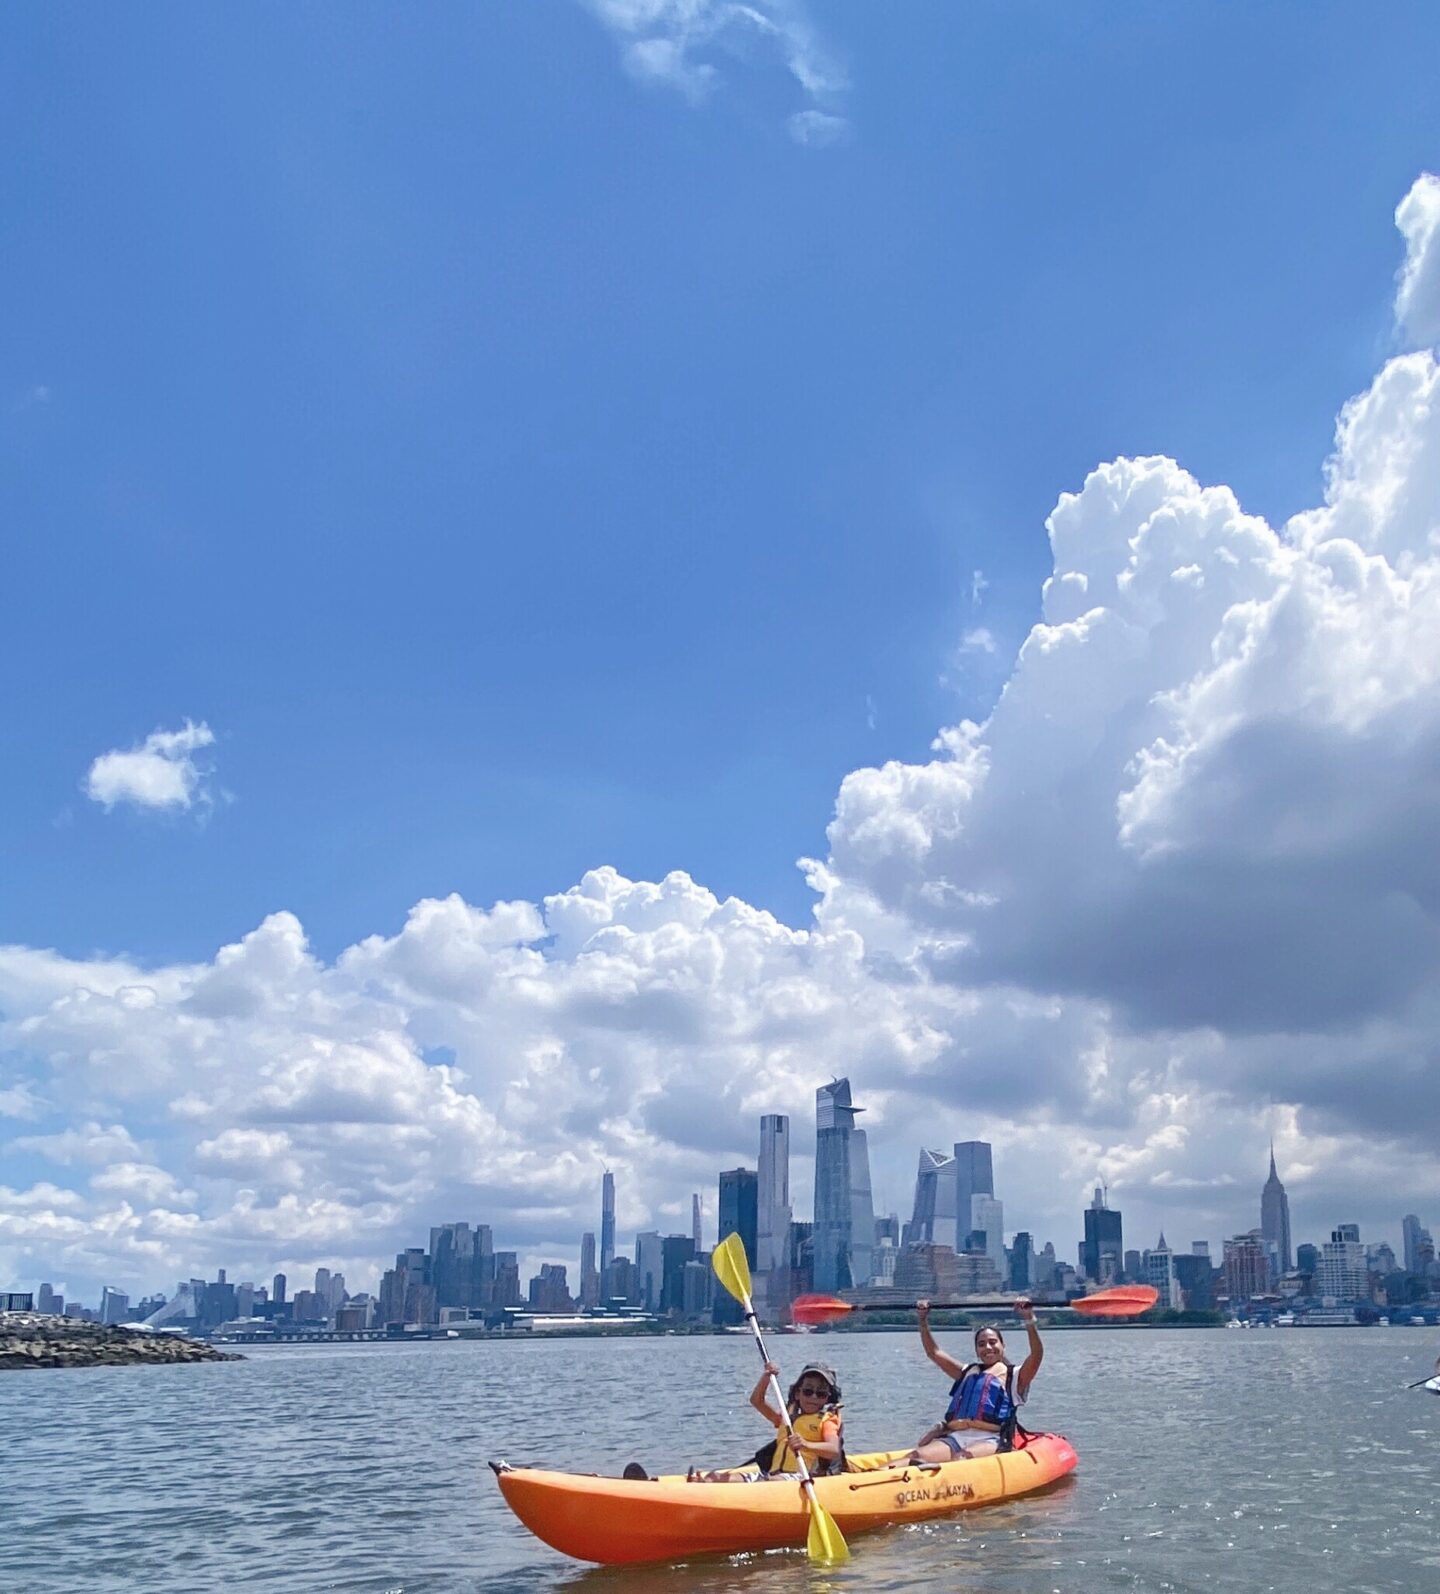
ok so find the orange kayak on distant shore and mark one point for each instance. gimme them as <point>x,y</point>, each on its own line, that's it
<point>616,1521</point>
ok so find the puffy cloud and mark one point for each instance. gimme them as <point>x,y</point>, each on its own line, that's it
<point>677,43</point>
<point>1417,304</point>
<point>162,772</point>
<point>85,1143</point>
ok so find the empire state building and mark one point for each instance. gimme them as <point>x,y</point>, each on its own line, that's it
<point>1275,1217</point>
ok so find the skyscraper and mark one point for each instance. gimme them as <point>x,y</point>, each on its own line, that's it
<point>844,1235</point>
<point>739,1191</point>
<point>650,1268</point>
<point>1342,1274</point>
<point>987,1218</point>
<point>772,1203</point>
<point>589,1275</point>
<point>1159,1270</point>
<point>677,1250</point>
<point>1275,1217</point>
<point>607,1220</point>
<point>1103,1250</point>
<point>974,1175</point>
<point>1411,1229</point>
<point>933,1218</point>
<point>696,1233</point>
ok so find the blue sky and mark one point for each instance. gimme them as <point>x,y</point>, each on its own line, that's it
<point>521,460</point>
<point>521,468</point>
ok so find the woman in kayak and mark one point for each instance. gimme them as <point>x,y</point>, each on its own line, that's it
<point>814,1407</point>
<point>985,1395</point>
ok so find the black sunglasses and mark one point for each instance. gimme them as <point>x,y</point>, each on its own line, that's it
<point>812,1390</point>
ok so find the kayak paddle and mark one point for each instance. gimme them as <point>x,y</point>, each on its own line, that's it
<point>1125,1300</point>
<point>824,1542</point>
<point>1420,1383</point>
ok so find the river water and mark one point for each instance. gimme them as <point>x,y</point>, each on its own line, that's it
<point>1287,1460</point>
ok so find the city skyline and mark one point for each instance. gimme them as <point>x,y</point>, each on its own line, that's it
<point>459,1253</point>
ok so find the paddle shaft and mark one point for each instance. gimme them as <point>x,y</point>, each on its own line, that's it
<point>806,1481</point>
<point>957,1306</point>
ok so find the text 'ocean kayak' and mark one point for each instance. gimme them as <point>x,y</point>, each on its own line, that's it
<point>615,1521</point>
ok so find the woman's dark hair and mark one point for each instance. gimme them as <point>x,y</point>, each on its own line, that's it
<point>989,1328</point>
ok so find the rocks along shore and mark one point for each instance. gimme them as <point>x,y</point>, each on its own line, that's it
<point>30,1339</point>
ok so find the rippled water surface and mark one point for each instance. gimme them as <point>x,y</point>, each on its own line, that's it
<point>1285,1460</point>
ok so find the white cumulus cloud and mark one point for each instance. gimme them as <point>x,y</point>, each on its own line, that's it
<point>1417,305</point>
<point>682,44</point>
<point>161,773</point>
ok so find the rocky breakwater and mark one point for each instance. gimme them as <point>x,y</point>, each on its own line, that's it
<point>30,1339</point>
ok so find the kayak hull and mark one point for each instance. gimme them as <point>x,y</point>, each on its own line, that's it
<point>617,1522</point>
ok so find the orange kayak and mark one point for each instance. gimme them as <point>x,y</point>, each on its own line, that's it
<point>615,1521</point>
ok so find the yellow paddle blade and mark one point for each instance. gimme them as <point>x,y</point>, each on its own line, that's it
<point>732,1267</point>
<point>825,1542</point>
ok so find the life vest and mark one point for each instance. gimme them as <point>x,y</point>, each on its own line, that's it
<point>778,1456</point>
<point>982,1394</point>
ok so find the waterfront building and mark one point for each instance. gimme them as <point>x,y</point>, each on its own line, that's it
<point>1102,1252</point>
<point>1380,1258</point>
<point>217,1301</point>
<point>696,1298</point>
<point>620,1283</point>
<point>1247,1267</point>
<point>1022,1262</point>
<point>738,1214</point>
<point>506,1288</point>
<point>974,1175</point>
<point>1410,1231</point>
<point>1275,1218</point>
<point>48,1301</point>
<point>987,1229</point>
<point>354,1316</point>
<point>589,1273</point>
<point>1135,1266</point>
<point>407,1292</point>
<point>277,1290</point>
<point>650,1269</point>
<point>244,1300</point>
<point>607,1219</point>
<point>976,1274</point>
<point>1307,1259</point>
<point>549,1289</point>
<point>888,1228</point>
<point>462,1265</point>
<point>676,1251</point>
<point>322,1278</point>
<point>844,1234</point>
<point>1159,1269</point>
<point>17,1301</point>
<point>1043,1272</point>
<point>772,1212</point>
<point>802,1258</point>
<point>934,1213</point>
<point>883,1261</point>
<point>1195,1277</point>
<point>928,1271</point>
<point>1342,1275</point>
<point>697,1234</point>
